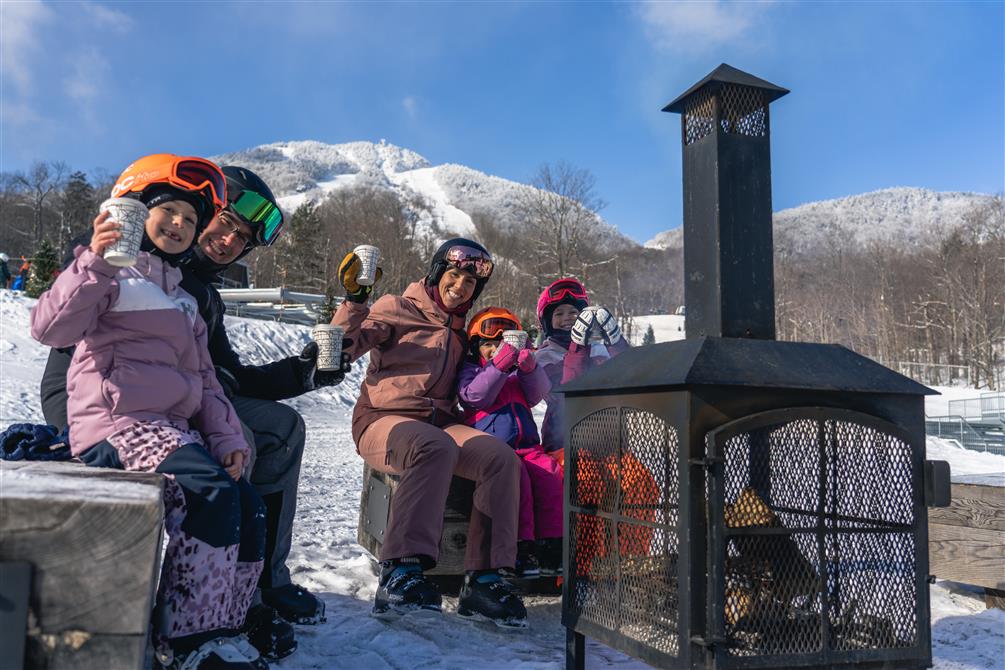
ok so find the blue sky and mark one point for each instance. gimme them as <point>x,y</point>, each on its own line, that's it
<point>883,94</point>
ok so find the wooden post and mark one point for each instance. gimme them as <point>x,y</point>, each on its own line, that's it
<point>93,536</point>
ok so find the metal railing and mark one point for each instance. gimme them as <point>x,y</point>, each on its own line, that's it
<point>976,437</point>
<point>273,304</point>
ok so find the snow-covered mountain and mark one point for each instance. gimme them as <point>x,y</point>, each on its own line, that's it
<point>911,216</point>
<point>452,193</point>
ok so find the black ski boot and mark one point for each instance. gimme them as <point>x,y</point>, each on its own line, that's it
<point>527,566</point>
<point>549,555</point>
<point>222,653</point>
<point>403,589</point>
<point>487,596</point>
<point>269,633</point>
<point>295,604</point>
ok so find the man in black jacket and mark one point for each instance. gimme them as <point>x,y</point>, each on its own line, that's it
<point>251,219</point>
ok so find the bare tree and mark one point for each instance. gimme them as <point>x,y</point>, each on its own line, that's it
<point>39,183</point>
<point>559,215</point>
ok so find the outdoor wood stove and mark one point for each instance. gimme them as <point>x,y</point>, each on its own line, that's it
<point>733,501</point>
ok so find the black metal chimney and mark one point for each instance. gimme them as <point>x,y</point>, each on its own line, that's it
<point>728,267</point>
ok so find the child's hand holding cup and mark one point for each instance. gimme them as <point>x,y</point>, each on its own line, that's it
<point>131,217</point>
<point>369,256</point>
<point>515,338</point>
<point>329,340</point>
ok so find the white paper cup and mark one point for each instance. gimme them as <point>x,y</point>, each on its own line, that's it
<point>329,339</point>
<point>515,338</point>
<point>131,215</point>
<point>369,256</point>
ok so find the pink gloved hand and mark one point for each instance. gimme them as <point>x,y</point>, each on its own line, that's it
<point>526,361</point>
<point>505,357</point>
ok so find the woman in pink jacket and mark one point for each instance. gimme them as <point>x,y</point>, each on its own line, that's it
<point>406,423</point>
<point>143,396</point>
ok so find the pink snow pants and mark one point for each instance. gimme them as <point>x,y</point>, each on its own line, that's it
<point>540,495</point>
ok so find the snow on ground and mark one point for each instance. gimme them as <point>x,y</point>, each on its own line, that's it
<point>327,560</point>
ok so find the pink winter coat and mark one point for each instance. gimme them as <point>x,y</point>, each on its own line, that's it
<point>141,352</point>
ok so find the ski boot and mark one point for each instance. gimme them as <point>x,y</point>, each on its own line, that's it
<point>527,566</point>
<point>269,633</point>
<point>487,596</point>
<point>295,604</point>
<point>403,589</point>
<point>221,653</point>
<point>549,555</point>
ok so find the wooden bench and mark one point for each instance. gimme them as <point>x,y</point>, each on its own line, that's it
<point>93,539</point>
<point>966,541</point>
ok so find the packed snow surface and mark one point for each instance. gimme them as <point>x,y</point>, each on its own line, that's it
<point>327,560</point>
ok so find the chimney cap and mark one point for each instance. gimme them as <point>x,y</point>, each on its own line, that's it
<point>727,74</point>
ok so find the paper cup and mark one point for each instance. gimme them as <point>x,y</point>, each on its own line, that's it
<point>369,256</point>
<point>131,215</point>
<point>515,338</point>
<point>329,339</point>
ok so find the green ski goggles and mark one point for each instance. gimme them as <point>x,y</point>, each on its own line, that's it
<point>265,219</point>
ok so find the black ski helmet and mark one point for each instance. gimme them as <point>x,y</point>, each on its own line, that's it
<point>438,264</point>
<point>239,180</point>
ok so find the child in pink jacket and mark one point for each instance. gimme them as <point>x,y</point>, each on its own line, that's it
<point>143,396</point>
<point>498,386</point>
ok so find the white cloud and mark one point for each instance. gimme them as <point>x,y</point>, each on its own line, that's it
<point>109,18</point>
<point>86,80</point>
<point>695,26</point>
<point>19,44</point>
<point>410,105</point>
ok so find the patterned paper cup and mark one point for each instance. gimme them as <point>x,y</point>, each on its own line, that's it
<point>329,339</point>
<point>131,215</point>
<point>369,256</point>
<point>515,338</point>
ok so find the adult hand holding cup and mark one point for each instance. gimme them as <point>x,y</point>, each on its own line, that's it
<point>369,256</point>
<point>131,217</point>
<point>329,340</point>
<point>515,338</point>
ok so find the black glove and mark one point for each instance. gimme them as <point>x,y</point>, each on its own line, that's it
<point>228,382</point>
<point>314,378</point>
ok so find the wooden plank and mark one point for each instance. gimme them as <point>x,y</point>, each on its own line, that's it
<point>81,651</point>
<point>973,506</point>
<point>94,538</point>
<point>967,555</point>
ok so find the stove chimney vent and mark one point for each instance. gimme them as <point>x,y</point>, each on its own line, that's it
<point>729,287</point>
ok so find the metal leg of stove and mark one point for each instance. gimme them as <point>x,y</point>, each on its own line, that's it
<point>575,650</point>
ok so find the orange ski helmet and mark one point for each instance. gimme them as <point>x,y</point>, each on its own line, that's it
<point>490,323</point>
<point>195,176</point>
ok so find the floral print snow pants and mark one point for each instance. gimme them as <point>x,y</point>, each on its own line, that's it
<point>215,528</point>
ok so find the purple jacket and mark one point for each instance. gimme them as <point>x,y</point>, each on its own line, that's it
<point>499,403</point>
<point>141,352</point>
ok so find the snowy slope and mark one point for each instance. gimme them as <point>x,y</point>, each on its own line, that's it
<point>326,558</point>
<point>302,170</point>
<point>910,216</point>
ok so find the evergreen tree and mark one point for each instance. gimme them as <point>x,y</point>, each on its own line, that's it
<point>44,268</point>
<point>649,337</point>
<point>328,306</point>
<point>78,203</point>
<point>300,258</point>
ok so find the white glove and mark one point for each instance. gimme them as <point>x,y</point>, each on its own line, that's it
<point>585,322</point>
<point>609,325</point>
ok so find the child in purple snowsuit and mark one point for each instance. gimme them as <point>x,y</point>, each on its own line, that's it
<point>498,386</point>
<point>143,396</point>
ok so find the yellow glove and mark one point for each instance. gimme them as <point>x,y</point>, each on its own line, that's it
<point>348,274</point>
